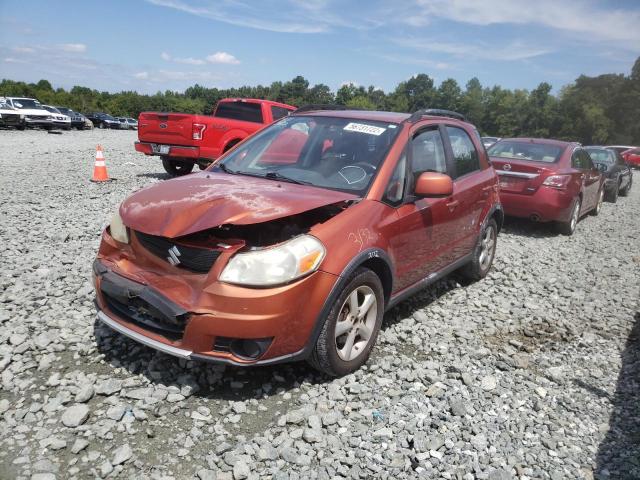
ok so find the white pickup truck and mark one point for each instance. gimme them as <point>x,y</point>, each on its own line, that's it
<point>34,114</point>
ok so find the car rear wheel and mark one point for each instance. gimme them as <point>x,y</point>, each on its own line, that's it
<point>483,254</point>
<point>625,191</point>
<point>568,227</point>
<point>351,327</point>
<point>176,168</point>
<point>596,210</point>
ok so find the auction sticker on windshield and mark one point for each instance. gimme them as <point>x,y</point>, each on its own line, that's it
<point>362,128</point>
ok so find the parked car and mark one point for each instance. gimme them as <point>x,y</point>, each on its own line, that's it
<point>78,120</point>
<point>618,175</point>
<point>632,157</point>
<point>103,120</point>
<point>547,180</point>
<point>620,148</point>
<point>34,115</point>
<point>124,125</point>
<point>488,141</point>
<point>182,140</point>
<point>59,119</point>
<point>10,117</point>
<point>294,243</point>
<point>133,123</point>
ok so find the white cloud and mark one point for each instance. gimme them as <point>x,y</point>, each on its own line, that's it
<point>73,47</point>
<point>516,50</point>
<point>223,57</point>
<point>141,75</point>
<point>12,60</point>
<point>582,17</point>
<point>294,16</point>
<point>218,57</point>
<point>23,49</point>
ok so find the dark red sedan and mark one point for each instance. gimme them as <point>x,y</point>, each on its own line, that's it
<point>547,180</point>
<point>632,157</point>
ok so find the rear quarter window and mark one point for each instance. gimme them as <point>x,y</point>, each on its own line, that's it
<point>278,112</point>
<point>244,111</point>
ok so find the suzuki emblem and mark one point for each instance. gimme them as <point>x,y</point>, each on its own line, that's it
<point>506,167</point>
<point>163,125</point>
<point>174,253</point>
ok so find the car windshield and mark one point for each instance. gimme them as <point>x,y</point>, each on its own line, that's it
<point>537,152</point>
<point>334,153</point>
<point>600,155</point>
<point>106,116</point>
<point>24,103</point>
<point>51,109</point>
<point>66,111</point>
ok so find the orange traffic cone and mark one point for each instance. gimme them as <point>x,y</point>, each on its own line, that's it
<point>100,167</point>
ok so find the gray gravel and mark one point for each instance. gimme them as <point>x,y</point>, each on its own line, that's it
<point>533,372</point>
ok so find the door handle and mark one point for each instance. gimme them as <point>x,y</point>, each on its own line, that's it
<point>453,204</point>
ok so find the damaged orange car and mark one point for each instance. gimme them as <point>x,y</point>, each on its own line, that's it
<point>293,245</point>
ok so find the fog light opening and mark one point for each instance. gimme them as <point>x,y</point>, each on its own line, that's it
<point>250,348</point>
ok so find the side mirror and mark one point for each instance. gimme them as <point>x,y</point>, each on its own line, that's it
<point>433,184</point>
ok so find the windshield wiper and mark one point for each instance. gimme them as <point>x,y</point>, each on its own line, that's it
<point>279,176</point>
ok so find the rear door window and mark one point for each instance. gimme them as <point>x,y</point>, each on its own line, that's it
<point>244,111</point>
<point>465,155</point>
<point>581,160</point>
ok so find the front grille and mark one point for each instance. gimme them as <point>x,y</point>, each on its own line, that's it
<point>191,258</point>
<point>145,315</point>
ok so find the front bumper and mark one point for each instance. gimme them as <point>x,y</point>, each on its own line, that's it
<point>214,313</point>
<point>37,122</point>
<point>11,119</point>
<point>547,204</point>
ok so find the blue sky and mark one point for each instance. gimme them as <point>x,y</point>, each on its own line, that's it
<point>151,45</point>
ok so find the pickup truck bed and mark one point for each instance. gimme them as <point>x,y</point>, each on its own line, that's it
<point>183,140</point>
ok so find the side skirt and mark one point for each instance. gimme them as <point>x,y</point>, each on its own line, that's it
<point>425,282</point>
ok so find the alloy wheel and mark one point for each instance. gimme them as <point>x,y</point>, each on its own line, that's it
<point>487,248</point>
<point>575,215</point>
<point>355,325</point>
<point>600,200</point>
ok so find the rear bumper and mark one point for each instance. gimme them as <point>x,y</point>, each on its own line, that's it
<point>545,205</point>
<point>181,151</point>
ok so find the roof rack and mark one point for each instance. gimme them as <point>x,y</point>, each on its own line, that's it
<point>435,112</point>
<point>319,106</point>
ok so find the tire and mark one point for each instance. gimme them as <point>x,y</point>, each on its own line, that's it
<point>331,353</point>
<point>176,168</point>
<point>625,191</point>
<point>596,210</point>
<point>483,253</point>
<point>569,227</point>
<point>21,127</point>
<point>613,196</point>
<point>101,125</point>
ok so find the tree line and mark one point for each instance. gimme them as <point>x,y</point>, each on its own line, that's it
<point>593,110</point>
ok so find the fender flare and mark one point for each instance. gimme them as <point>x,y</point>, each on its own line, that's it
<point>497,207</point>
<point>352,266</point>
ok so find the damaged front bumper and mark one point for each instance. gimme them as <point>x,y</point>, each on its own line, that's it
<point>197,317</point>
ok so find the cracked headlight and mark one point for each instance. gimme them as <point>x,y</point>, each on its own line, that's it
<point>118,230</point>
<point>276,265</point>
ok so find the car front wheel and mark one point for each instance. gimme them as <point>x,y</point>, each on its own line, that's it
<point>351,327</point>
<point>176,168</point>
<point>596,210</point>
<point>568,227</point>
<point>625,191</point>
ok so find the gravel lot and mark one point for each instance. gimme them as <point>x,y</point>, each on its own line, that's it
<point>533,372</point>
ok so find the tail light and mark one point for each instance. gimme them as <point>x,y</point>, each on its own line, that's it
<point>197,131</point>
<point>557,181</point>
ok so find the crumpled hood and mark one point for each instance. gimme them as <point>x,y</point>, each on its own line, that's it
<point>204,200</point>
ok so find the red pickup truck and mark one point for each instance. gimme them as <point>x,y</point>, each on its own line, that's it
<point>183,140</point>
